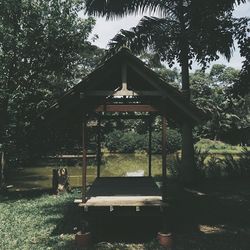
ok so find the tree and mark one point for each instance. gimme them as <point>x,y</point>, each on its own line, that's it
<point>42,49</point>
<point>187,30</point>
<point>212,92</point>
<point>242,86</point>
<point>220,74</point>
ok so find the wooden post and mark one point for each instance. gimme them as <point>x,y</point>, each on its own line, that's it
<point>54,180</point>
<point>2,172</point>
<point>164,154</point>
<point>84,159</point>
<point>150,146</point>
<point>98,156</point>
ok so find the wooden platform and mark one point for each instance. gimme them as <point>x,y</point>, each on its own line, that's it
<point>123,191</point>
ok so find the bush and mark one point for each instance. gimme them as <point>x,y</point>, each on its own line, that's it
<point>173,141</point>
<point>238,167</point>
<point>214,168</point>
<point>113,141</point>
<point>211,168</point>
<point>120,142</point>
<point>217,146</point>
<point>130,141</point>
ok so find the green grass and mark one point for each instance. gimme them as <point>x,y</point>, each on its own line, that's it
<point>36,220</point>
<point>32,222</point>
<point>218,147</point>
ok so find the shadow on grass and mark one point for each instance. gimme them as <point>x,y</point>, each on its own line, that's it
<point>211,215</point>
<point>14,195</point>
<point>23,179</point>
<point>127,228</point>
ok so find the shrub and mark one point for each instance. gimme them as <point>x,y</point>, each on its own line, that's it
<point>217,146</point>
<point>238,167</point>
<point>214,168</point>
<point>211,168</point>
<point>200,157</point>
<point>244,162</point>
<point>128,142</point>
<point>232,166</point>
<point>173,141</point>
<point>113,141</point>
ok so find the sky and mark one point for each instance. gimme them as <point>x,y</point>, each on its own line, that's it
<point>108,29</point>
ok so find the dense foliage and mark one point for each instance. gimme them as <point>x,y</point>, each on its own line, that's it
<point>229,114</point>
<point>185,30</point>
<point>130,141</point>
<point>43,52</point>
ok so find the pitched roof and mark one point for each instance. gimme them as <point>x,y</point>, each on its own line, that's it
<point>107,76</point>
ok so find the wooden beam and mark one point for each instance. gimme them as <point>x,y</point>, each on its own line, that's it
<point>150,147</point>
<point>166,94</point>
<point>129,116</point>
<point>164,146</point>
<point>124,77</point>
<point>124,201</point>
<point>124,93</point>
<point>84,160</point>
<point>125,108</point>
<point>99,147</point>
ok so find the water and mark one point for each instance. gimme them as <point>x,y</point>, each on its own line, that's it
<point>112,165</point>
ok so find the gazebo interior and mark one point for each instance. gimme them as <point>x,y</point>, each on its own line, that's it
<point>123,87</point>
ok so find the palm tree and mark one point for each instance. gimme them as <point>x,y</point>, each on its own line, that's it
<point>185,30</point>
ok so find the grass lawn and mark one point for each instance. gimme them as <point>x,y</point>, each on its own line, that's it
<point>36,220</point>
<point>218,147</point>
<point>211,216</point>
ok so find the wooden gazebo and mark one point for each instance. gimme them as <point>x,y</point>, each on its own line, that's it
<point>123,87</point>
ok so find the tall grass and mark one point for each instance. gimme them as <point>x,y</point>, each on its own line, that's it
<point>217,147</point>
<point>214,167</point>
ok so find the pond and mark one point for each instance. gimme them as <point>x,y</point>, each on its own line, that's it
<point>112,165</point>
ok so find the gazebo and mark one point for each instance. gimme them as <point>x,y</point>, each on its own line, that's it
<point>122,87</point>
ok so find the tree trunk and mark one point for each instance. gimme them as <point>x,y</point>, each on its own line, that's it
<point>4,117</point>
<point>188,161</point>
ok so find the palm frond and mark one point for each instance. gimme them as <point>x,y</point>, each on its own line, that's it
<point>151,33</point>
<point>113,8</point>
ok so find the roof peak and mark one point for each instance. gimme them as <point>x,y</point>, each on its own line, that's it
<point>125,48</point>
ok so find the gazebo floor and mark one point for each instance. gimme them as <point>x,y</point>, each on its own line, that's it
<point>123,192</point>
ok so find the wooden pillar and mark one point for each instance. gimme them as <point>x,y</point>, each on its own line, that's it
<point>98,156</point>
<point>164,155</point>
<point>164,147</point>
<point>84,159</point>
<point>2,171</point>
<point>150,146</point>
